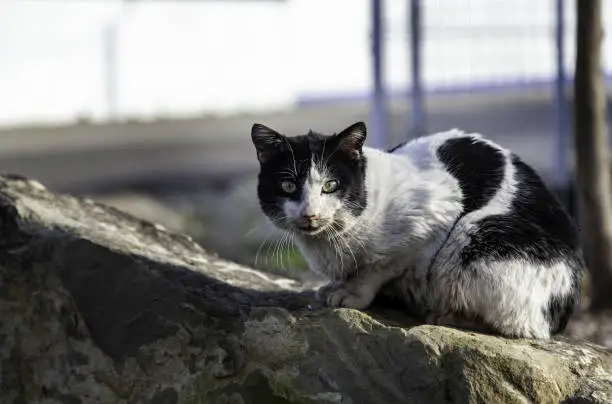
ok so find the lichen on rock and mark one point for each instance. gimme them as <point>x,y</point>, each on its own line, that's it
<point>97,306</point>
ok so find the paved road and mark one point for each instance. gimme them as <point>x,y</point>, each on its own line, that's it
<point>91,157</point>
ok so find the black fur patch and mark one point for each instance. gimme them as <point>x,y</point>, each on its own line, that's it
<point>538,230</point>
<point>477,166</point>
<point>560,308</point>
<point>296,155</point>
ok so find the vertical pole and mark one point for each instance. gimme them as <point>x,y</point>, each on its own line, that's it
<point>417,123</point>
<point>379,110</point>
<point>561,107</point>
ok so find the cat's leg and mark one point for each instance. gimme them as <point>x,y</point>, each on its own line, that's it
<point>326,289</point>
<point>516,304</point>
<point>512,298</point>
<point>359,291</point>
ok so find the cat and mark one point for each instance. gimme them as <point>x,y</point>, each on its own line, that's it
<point>454,225</point>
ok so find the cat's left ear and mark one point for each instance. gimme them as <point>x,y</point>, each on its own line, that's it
<point>352,138</point>
<point>266,141</point>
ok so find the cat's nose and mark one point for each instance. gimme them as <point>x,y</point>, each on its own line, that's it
<point>311,220</point>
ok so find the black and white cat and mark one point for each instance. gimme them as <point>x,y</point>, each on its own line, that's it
<point>452,223</point>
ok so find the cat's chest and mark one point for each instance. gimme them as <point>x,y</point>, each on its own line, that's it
<point>335,258</point>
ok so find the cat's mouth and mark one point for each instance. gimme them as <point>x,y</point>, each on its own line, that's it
<point>312,226</point>
<point>311,230</point>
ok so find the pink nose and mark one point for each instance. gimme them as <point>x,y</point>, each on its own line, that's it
<point>311,220</point>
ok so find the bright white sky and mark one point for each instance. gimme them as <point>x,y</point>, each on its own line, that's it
<point>211,56</point>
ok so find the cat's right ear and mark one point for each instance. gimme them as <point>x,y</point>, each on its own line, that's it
<point>352,138</point>
<point>266,141</point>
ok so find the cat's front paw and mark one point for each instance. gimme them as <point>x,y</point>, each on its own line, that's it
<point>343,297</point>
<point>323,292</point>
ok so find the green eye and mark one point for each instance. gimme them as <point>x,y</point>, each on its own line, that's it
<point>288,187</point>
<point>330,186</point>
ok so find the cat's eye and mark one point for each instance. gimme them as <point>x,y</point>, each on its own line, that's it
<point>288,187</point>
<point>330,186</point>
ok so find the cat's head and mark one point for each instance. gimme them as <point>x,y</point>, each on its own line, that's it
<point>313,184</point>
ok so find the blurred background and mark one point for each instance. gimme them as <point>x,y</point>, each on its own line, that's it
<point>147,105</point>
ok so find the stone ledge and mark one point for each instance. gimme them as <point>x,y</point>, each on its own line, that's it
<point>97,306</point>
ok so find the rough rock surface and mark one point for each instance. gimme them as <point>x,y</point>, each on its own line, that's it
<point>227,220</point>
<point>99,307</point>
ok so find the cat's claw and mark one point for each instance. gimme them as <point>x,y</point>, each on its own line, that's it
<point>433,319</point>
<point>344,298</point>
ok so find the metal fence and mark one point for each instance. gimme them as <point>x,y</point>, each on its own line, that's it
<point>526,45</point>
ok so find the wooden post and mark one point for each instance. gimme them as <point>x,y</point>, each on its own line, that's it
<point>592,152</point>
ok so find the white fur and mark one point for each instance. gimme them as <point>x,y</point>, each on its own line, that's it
<point>313,201</point>
<point>413,202</point>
